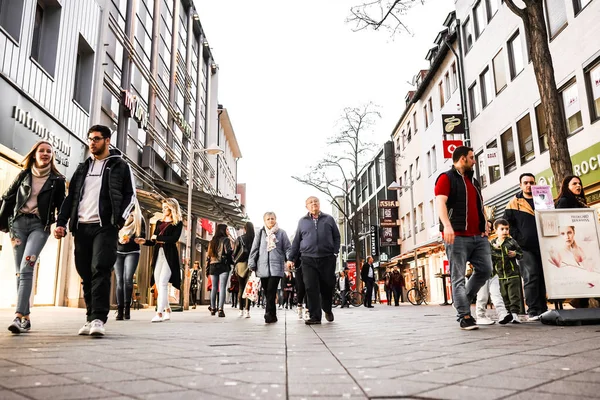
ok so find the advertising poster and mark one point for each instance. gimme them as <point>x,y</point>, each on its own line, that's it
<point>570,248</point>
<point>542,197</point>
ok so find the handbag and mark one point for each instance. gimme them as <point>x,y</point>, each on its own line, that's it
<point>225,256</point>
<point>6,210</point>
<point>241,269</point>
<point>240,251</point>
<point>252,288</point>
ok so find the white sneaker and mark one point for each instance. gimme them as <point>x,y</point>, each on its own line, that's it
<point>157,318</point>
<point>306,314</point>
<point>534,318</point>
<point>241,313</point>
<point>485,321</point>
<point>516,319</point>
<point>247,314</point>
<point>97,328</point>
<point>166,316</point>
<point>299,311</point>
<point>85,329</point>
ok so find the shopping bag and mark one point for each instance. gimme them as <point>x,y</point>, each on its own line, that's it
<point>252,288</point>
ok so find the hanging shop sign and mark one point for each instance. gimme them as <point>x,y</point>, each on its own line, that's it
<point>183,125</point>
<point>492,159</point>
<point>389,236</point>
<point>450,146</point>
<point>453,124</point>
<point>388,214</point>
<point>374,242</point>
<point>135,108</point>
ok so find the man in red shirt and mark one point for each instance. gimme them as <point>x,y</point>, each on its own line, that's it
<point>464,229</point>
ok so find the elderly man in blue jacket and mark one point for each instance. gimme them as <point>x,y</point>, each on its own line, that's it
<point>317,241</point>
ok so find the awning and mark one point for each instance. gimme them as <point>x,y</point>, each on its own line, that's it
<point>206,205</point>
<point>422,248</point>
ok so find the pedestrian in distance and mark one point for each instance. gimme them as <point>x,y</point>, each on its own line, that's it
<point>280,298</point>
<point>301,298</point>
<point>100,197</point>
<point>317,240</point>
<point>343,285</point>
<point>28,210</point>
<point>387,285</point>
<point>367,274</point>
<point>194,284</point>
<point>220,252</point>
<point>128,255</point>
<point>243,245</point>
<point>165,256</point>
<point>464,230</point>
<point>288,284</point>
<point>505,284</point>
<point>268,256</point>
<point>520,215</point>
<point>396,284</point>
<point>234,288</point>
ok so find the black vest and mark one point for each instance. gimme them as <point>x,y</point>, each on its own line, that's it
<point>457,201</point>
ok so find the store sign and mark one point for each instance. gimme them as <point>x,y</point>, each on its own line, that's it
<point>390,235</point>
<point>183,125</point>
<point>492,158</point>
<point>136,109</point>
<point>453,124</point>
<point>374,242</point>
<point>388,212</point>
<point>450,146</point>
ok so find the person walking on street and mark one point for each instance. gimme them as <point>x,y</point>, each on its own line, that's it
<point>300,290</point>
<point>240,258</point>
<point>165,257</point>
<point>317,240</point>
<point>367,274</point>
<point>28,210</point>
<point>195,284</point>
<point>101,196</point>
<point>220,259</point>
<point>128,255</point>
<point>343,285</point>
<point>270,251</point>
<point>289,282</point>
<point>234,288</point>
<point>387,286</point>
<point>520,215</point>
<point>464,229</point>
<point>396,283</point>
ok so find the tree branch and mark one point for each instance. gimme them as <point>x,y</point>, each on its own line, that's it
<point>515,9</point>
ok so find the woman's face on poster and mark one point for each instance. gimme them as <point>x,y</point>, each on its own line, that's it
<point>568,235</point>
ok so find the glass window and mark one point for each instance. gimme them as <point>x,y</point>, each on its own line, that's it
<point>579,5</point>
<point>556,15</point>
<point>525,139</point>
<point>485,80</point>
<point>509,157</point>
<point>593,82</point>
<point>442,97</point>
<point>542,128</point>
<point>570,97</point>
<point>467,35</point>
<point>425,116</point>
<point>415,121</point>
<point>454,78</point>
<point>499,71</point>
<point>515,55</point>
<point>418,168</point>
<point>430,102</point>
<point>11,14</point>
<point>492,8</point>
<point>447,85</point>
<point>429,163</point>
<point>433,159</point>
<point>493,171</point>
<point>479,19</point>
<point>408,132</point>
<point>480,169</point>
<point>474,101</point>
<point>406,182</point>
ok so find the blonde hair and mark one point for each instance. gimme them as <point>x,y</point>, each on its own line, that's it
<point>29,159</point>
<point>173,205</point>
<point>136,225</point>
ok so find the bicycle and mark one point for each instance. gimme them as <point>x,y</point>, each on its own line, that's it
<point>417,296</point>
<point>355,298</point>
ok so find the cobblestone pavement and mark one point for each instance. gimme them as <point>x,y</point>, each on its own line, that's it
<point>385,352</point>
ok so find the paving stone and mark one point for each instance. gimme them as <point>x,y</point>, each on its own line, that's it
<point>544,396</point>
<point>436,377</point>
<point>571,388</point>
<point>462,392</point>
<point>66,392</point>
<point>102,375</point>
<point>28,381</point>
<point>9,395</point>
<point>245,392</point>
<point>18,370</point>
<point>181,395</point>
<point>390,388</point>
<point>341,389</point>
<point>135,388</point>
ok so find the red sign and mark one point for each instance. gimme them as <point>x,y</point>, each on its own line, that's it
<point>450,146</point>
<point>351,272</point>
<point>207,225</point>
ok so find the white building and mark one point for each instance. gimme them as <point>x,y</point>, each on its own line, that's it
<point>504,99</point>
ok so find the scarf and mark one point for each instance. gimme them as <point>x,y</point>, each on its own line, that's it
<point>270,237</point>
<point>40,172</point>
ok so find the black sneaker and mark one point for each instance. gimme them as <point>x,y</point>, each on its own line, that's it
<point>25,325</point>
<point>468,323</point>
<point>311,321</point>
<point>15,327</point>
<point>329,316</point>
<point>221,313</point>
<point>506,319</point>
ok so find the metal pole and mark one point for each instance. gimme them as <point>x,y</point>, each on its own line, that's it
<point>188,241</point>
<point>414,214</point>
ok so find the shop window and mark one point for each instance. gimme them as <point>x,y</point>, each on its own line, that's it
<point>467,35</point>
<point>525,139</point>
<point>474,101</point>
<point>556,17</point>
<point>84,72</point>
<point>485,81</point>
<point>515,55</point>
<point>593,85</point>
<point>499,71</point>
<point>44,41</point>
<point>542,128</point>
<point>509,157</point>
<point>492,8</point>
<point>579,5</point>
<point>11,15</point>
<point>480,169</point>
<point>494,170</point>
<point>479,19</point>
<point>572,108</point>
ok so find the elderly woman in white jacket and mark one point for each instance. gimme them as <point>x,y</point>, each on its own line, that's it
<point>270,251</point>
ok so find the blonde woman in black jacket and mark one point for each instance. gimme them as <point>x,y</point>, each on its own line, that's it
<point>28,210</point>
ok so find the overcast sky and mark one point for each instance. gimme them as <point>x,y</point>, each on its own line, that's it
<point>287,69</point>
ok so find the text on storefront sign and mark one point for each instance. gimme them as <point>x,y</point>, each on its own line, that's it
<point>136,109</point>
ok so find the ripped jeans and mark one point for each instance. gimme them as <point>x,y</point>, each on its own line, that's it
<point>28,238</point>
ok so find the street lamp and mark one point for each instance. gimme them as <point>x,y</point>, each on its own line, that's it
<point>213,150</point>
<point>396,186</point>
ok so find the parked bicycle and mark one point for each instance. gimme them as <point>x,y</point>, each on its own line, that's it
<point>353,298</point>
<point>418,296</point>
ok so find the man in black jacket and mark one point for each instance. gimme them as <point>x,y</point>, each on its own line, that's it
<point>367,274</point>
<point>317,240</point>
<point>520,214</point>
<point>101,194</point>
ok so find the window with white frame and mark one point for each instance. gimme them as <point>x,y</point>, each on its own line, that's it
<point>499,71</point>
<point>593,84</point>
<point>430,110</point>
<point>479,19</point>
<point>509,156</point>
<point>442,97</point>
<point>428,159</point>
<point>515,55</point>
<point>492,8</point>
<point>410,173</point>
<point>542,128</point>
<point>408,132</point>
<point>556,16</point>
<point>467,35</point>
<point>433,159</point>
<point>454,77</point>
<point>525,139</point>
<point>404,232</point>
<point>474,101</point>
<point>487,91</point>
<point>421,217</point>
<point>493,170</point>
<point>425,117</point>
<point>414,117</point>
<point>572,107</point>
<point>417,168</point>
<point>400,183</point>
<point>432,212</point>
<point>579,5</point>
<point>480,169</point>
<point>406,182</point>
<point>447,85</point>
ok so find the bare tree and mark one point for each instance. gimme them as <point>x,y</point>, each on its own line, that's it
<point>338,171</point>
<point>387,13</point>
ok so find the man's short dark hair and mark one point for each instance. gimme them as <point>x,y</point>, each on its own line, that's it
<point>524,175</point>
<point>460,151</point>
<point>500,222</point>
<point>104,130</point>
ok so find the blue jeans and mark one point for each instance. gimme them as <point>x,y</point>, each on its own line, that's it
<point>533,282</point>
<point>219,285</point>
<point>125,267</point>
<point>476,250</point>
<point>28,238</point>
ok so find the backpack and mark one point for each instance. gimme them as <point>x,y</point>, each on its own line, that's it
<point>241,251</point>
<point>225,256</point>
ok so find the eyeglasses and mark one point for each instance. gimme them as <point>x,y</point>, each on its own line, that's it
<point>95,139</point>
<point>528,183</point>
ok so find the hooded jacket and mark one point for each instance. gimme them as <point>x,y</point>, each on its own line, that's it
<point>117,193</point>
<point>506,267</point>
<point>521,219</point>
